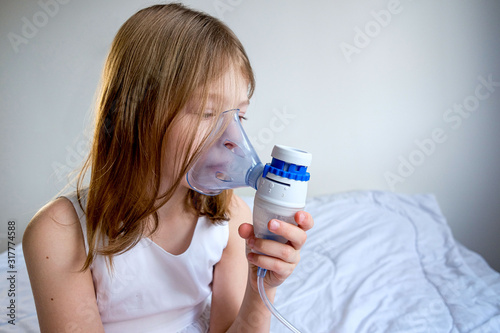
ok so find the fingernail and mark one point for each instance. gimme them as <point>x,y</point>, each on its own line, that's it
<point>274,225</point>
<point>250,256</point>
<point>251,242</point>
<point>302,217</point>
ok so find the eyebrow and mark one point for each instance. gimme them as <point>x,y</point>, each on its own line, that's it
<point>215,96</point>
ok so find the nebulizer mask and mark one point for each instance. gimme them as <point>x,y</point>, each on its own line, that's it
<point>228,161</point>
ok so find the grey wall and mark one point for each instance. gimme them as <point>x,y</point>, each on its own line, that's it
<point>375,97</point>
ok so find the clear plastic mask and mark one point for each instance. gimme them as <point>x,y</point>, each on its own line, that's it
<point>227,159</point>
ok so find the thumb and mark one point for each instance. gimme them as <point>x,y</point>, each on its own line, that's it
<point>245,230</point>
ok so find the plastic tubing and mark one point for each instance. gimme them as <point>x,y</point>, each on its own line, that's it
<point>261,273</point>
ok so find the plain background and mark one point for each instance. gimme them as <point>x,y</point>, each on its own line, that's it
<point>359,114</point>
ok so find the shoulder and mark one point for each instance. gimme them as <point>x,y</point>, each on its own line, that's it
<point>54,250</point>
<point>239,209</point>
<point>58,214</point>
<point>240,213</point>
<point>55,228</point>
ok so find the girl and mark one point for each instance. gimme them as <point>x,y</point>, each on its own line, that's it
<point>136,250</point>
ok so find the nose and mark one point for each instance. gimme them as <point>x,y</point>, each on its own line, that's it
<point>230,145</point>
<point>234,148</point>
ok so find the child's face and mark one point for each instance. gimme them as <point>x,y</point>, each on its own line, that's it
<point>232,96</point>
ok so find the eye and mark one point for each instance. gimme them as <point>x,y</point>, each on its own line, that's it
<point>243,118</point>
<point>208,114</point>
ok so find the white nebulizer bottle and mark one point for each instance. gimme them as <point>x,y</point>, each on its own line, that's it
<point>281,192</point>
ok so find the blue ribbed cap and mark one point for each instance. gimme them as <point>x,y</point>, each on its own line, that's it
<point>287,170</point>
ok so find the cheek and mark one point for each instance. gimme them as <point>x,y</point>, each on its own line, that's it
<point>173,153</point>
<point>199,136</point>
<point>177,150</point>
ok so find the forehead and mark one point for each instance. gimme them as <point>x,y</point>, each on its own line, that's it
<point>232,83</point>
<point>230,90</point>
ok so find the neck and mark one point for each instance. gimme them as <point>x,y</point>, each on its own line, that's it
<point>175,209</point>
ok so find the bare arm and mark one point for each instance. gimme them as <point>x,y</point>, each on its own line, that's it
<point>230,273</point>
<point>239,308</point>
<point>54,250</point>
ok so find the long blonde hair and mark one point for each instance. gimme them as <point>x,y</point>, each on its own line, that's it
<point>159,59</point>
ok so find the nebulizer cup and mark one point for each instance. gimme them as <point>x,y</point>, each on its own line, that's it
<point>228,161</point>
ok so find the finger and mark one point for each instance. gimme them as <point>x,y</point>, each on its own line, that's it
<point>304,220</point>
<point>279,267</point>
<point>245,231</point>
<point>295,235</point>
<point>275,249</point>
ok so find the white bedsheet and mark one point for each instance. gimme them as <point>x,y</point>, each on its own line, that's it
<point>382,262</point>
<point>374,262</point>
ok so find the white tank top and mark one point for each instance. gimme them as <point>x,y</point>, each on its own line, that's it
<point>151,290</point>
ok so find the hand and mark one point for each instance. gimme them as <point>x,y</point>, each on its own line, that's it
<point>279,259</point>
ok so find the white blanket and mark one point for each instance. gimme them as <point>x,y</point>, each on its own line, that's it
<point>374,262</point>
<point>382,262</point>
